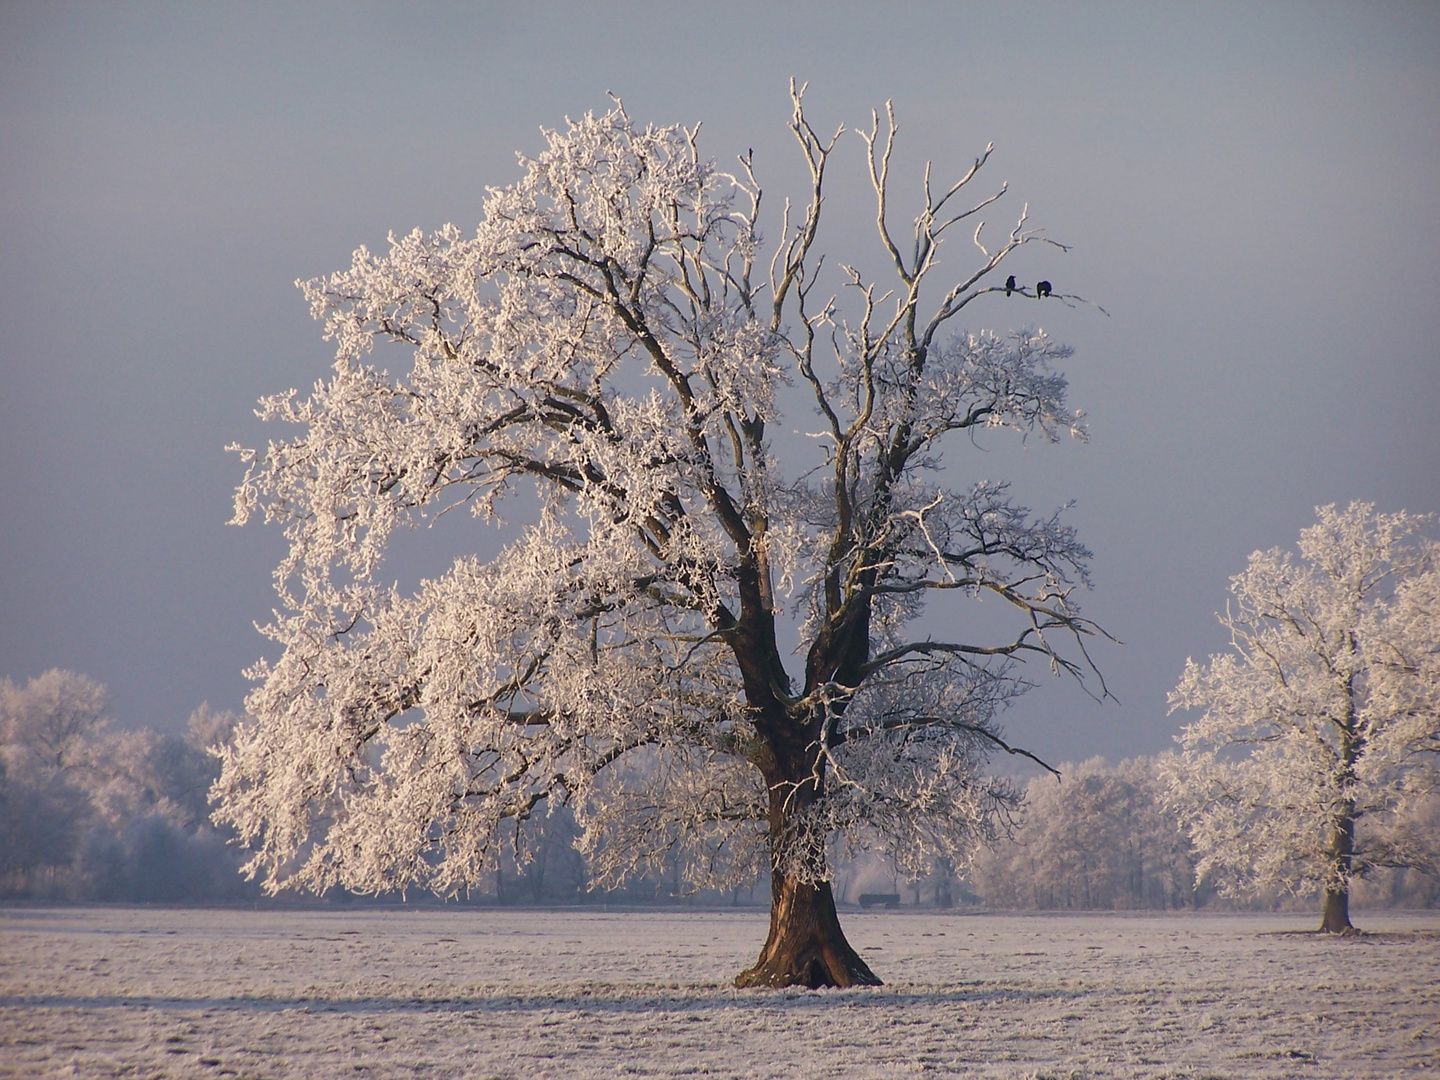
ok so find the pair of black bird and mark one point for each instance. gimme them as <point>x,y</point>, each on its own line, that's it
<point>1041,289</point>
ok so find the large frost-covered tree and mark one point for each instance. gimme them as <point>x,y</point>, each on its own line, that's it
<point>608,355</point>
<point>1321,727</point>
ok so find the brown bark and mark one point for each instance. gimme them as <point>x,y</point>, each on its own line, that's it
<point>1336,918</point>
<point>806,946</point>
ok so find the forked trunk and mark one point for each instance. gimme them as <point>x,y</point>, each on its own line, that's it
<point>1336,919</point>
<point>806,946</point>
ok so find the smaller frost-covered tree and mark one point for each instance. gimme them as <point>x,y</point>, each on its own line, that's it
<point>51,721</point>
<point>618,337</point>
<point>1321,727</point>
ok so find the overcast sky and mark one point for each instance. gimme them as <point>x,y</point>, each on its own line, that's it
<point>1250,192</point>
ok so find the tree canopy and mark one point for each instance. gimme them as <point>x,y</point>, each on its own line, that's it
<point>617,339</point>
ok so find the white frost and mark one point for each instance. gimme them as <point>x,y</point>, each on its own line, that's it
<point>610,337</point>
<point>101,992</point>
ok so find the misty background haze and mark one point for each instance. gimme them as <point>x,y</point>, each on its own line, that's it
<point>1250,194</point>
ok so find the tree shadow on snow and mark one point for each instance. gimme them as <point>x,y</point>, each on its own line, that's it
<point>600,999</point>
<point>1369,937</point>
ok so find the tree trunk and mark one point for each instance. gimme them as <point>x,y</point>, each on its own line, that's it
<point>806,946</point>
<point>1336,919</point>
<point>1336,916</point>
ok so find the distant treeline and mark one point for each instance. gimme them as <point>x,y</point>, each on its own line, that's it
<point>1102,838</point>
<point>88,812</point>
<point>1099,839</point>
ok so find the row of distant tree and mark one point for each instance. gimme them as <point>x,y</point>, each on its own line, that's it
<point>1099,838</point>
<point>89,812</point>
<point>1110,837</point>
<point>1104,837</point>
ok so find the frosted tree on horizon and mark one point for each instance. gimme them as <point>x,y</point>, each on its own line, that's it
<point>1321,727</point>
<point>617,339</point>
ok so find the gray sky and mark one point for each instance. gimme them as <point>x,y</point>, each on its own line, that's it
<point>1250,192</point>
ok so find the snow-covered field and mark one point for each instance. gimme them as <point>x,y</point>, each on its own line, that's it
<point>436,993</point>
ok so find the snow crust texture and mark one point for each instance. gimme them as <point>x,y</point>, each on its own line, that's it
<point>565,993</point>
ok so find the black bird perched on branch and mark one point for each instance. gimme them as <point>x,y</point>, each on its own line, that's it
<point>1042,289</point>
<point>1009,284</point>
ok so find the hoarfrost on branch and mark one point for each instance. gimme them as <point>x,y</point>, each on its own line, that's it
<point>616,338</point>
<point>1317,748</point>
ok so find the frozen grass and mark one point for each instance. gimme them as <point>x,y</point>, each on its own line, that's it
<point>94,992</point>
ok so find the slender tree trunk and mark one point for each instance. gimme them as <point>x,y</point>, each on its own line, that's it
<point>944,896</point>
<point>537,872</point>
<point>806,946</point>
<point>1336,916</point>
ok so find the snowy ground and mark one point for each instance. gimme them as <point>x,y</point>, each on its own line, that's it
<point>432,993</point>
